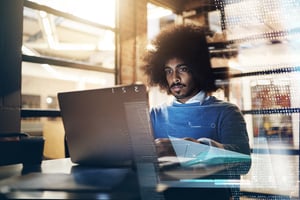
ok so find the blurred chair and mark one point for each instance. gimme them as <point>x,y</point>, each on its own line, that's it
<point>53,132</point>
<point>16,148</point>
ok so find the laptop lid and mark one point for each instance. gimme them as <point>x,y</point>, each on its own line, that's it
<point>95,124</point>
<point>111,127</point>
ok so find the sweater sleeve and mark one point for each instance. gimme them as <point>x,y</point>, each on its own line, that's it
<point>234,136</point>
<point>233,132</point>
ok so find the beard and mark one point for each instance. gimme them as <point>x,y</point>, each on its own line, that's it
<point>178,95</point>
<point>183,92</point>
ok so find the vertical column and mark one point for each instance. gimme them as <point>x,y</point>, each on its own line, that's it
<point>132,27</point>
<point>11,22</point>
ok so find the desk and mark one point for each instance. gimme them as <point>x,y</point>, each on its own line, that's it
<point>62,179</point>
<point>59,177</point>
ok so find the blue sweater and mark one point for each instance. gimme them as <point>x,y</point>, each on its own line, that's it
<point>214,119</point>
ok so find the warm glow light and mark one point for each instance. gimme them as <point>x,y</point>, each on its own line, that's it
<point>155,12</point>
<point>99,11</point>
<point>150,47</point>
<point>43,14</point>
<point>73,76</point>
<point>27,51</point>
<point>107,43</point>
<point>49,100</point>
<point>233,64</point>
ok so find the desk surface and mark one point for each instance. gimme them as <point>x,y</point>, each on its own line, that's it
<point>62,179</point>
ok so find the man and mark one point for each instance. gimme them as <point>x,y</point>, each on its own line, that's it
<point>179,64</point>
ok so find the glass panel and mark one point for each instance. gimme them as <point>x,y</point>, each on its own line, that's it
<point>264,84</point>
<point>262,17</point>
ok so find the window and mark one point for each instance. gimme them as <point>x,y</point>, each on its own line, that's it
<point>67,45</point>
<point>63,51</point>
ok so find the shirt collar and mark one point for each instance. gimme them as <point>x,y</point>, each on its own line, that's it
<point>199,97</point>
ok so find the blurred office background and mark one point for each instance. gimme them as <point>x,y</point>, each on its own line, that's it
<point>85,44</point>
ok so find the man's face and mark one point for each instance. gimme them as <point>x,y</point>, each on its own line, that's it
<point>180,80</point>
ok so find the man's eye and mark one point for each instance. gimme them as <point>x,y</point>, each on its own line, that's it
<point>183,69</point>
<point>168,71</point>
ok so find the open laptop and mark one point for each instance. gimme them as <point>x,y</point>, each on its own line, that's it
<point>111,127</point>
<point>95,124</point>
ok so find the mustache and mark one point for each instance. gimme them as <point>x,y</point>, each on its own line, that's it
<point>177,84</point>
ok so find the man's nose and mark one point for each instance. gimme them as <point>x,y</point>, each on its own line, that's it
<point>176,77</point>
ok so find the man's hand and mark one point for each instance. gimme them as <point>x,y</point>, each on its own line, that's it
<point>210,142</point>
<point>164,147</point>
<point>206,141</point>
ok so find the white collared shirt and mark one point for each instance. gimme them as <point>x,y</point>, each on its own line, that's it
<point>199,97</point>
